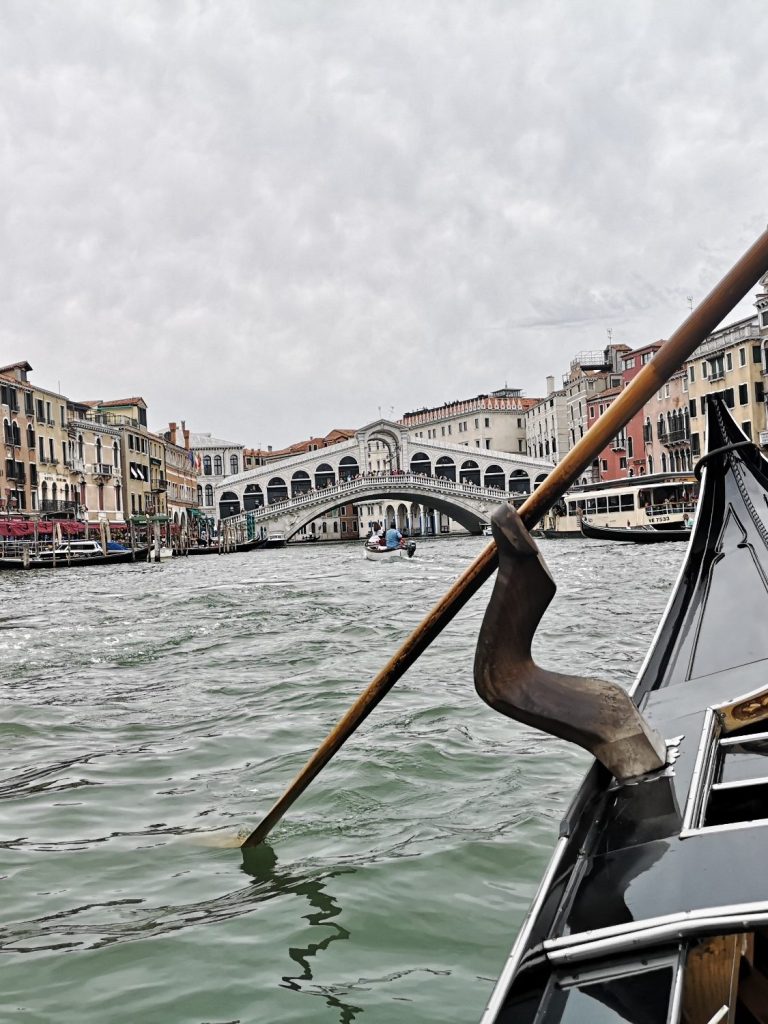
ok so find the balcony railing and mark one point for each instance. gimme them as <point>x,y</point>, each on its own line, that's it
<point>52,505</point>
<point>76,465</point>
<point>102,469</point>
<point>674,437</point>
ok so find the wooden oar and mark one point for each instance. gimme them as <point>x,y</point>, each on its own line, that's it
<point>702,321</point>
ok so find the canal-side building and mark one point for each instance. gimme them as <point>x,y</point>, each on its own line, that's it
<point>729,362</point>
<point>129,415</point>
<point>18,473</point>
<point>495,421</point>
<point>667,427</point>
<point>218,459</point>
<point>181,474</point>
<point>94,463</point>
<point>590,374</point>
<point>546,425</point>
<point>625,455</point>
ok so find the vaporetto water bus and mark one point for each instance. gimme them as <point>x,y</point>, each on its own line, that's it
<point>663,501</point>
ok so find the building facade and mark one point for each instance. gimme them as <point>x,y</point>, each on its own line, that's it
<point>218,459</point>
<point>546,425</point>
<point>493,422</point>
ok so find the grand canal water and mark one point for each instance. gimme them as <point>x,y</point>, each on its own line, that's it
<point>149,710</point>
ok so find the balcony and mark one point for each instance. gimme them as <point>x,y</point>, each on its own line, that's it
<point>716,375</point>
<point>674,438</point>
<point>101,469</point>
<point>76,465</point>
<point>51,505</point>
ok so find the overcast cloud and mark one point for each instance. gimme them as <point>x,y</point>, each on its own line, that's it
<point>272,219</point>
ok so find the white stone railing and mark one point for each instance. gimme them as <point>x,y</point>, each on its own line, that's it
<point>391,482</point>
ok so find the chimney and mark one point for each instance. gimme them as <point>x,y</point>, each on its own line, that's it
<point>269,447</point>
<point>172,433</point>
<point>550,385</point>
<point>185,432</point>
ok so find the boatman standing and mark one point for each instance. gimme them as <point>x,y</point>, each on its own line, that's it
<point>393,537</point>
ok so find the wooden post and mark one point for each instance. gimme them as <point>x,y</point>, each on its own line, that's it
<point>132,535</point>
<point>156,539</point>
<point>103,537</point>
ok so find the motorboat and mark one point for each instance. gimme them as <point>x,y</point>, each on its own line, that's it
<point>383,554</point>
<point>71,553</point>
<point>653,909</point>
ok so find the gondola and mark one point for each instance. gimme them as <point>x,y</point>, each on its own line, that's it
<point>653,909</point>
<point>635,535</point>
<point>213,549</point>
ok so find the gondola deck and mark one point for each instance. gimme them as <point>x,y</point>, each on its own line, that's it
<point>654,904</point>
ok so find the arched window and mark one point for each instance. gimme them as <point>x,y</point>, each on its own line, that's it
<point>253,497</point>
<point>300,483</point>
<point>348,468</point>
<point>80,453</point>
<point>495,476</point>
<point>539,479</point>
<point>30,436</point>
<point>650,464</point>
<point>519,482</point>
<point>116,455</point>
<point>7,435</point>
<point>54,492</point>
<point>324,476</point>
<point>234,464</point>
<point>218,466</point>
<point>209,495</point>
<point>663,462</point>
<point>445,467</point>
<point>421,463</point>
<point>229,505</point>
<point>469,472</point>
<point>276,490</point>
<point>98,451</point>
<point>16,434</point>
<point>207,467</point>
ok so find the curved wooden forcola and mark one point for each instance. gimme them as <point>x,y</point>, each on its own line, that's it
<point>701,322</point>
<point>596,714</point>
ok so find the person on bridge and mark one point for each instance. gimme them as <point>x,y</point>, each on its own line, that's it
<point>393,537</point>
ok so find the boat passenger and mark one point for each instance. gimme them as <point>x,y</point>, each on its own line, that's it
<point>393,537</point>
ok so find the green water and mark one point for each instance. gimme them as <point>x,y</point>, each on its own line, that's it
<point>151,709</point>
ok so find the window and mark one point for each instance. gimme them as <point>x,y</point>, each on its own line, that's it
<point>646,358</point>
<point>630,448</point>
<point>218,465</point>
<point>728,397</point>
<point>704,370</point>
<point>728,361</point>
<point>234,464</point>
<point>747,428</point>
<point>622,462</point>
<point>756,357</point>
<point>692,411</point>
<point>207,467</point>
<point>666,390</point>
<point>764,318</point>
<point>477,422</point>
<point>685,383</point>
<point>51,449</point>
<point>209,494</point>
<point>692,373</point>
<point>41,446</point>
<point>743,394</point>
<point>604,465</point>
<point>759,391</point>
<point>742,357</point>
<point>488,443</point>
<point>477,443</point>
<point>487,421</point>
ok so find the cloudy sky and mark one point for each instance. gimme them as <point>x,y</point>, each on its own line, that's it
<point>273,218</point>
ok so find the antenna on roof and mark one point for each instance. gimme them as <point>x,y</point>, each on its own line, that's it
<point>690,301</point>
<point>609,332</point>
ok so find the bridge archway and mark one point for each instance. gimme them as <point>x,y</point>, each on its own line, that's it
<point>519,482</point>
<point>348,468</point>
<point>421,463</point>
<point>469,472</point>
<point>276,490</point>
<point>252,498</point>
<point>390,439</point>
<point>445,467</point>
<point>300,483</point>
<point>325,476</point>
<point>229,505</point>
<point>495,476</point>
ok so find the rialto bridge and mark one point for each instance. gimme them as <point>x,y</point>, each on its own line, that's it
<point>421,477</point>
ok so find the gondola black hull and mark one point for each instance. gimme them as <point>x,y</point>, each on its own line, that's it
<point>636,536</point>
<point>75,561</point>
<point>654,907</point>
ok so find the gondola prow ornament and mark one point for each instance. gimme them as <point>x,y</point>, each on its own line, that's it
<point>598,715</point>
